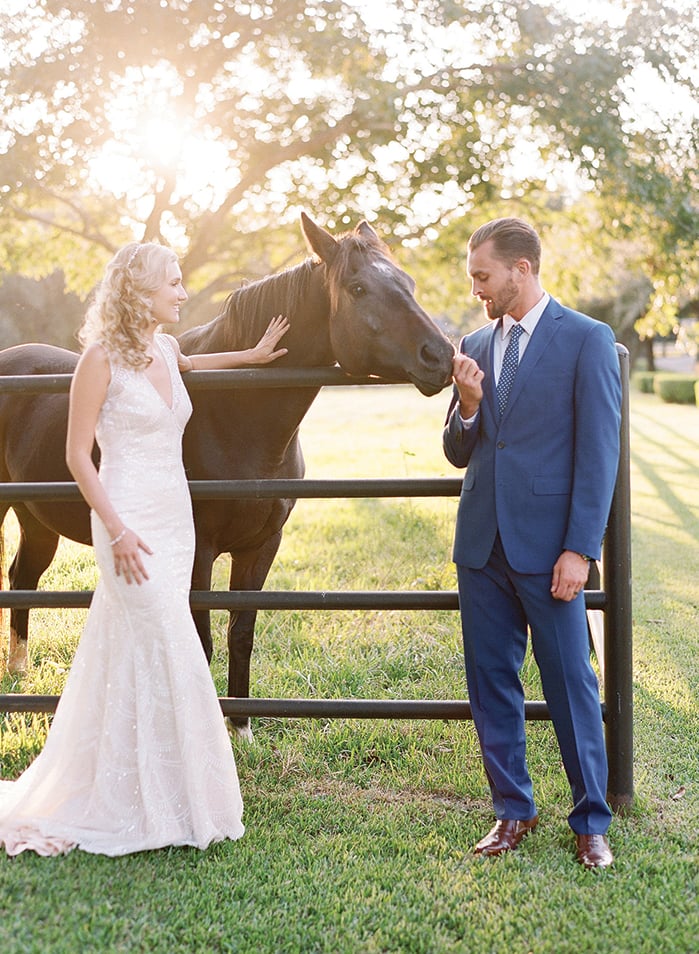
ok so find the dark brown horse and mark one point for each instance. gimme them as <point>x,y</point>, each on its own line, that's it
<point>350,304</point>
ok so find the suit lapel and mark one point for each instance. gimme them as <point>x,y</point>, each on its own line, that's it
<point>486,363</point>
<point>546,328</point>
<point>479,346</point>
<point>485,359</point>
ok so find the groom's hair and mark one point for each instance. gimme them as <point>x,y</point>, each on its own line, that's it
<point>512,239</point>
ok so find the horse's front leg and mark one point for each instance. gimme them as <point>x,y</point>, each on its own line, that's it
<point>248,572</point>
<point>37,547</point>
<point>201,580</point>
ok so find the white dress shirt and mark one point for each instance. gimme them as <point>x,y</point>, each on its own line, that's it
<point>502,338</point>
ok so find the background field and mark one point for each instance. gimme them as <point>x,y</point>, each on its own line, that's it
<point>360,833</point>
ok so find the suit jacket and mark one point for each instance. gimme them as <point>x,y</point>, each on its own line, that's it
<point>544,474</point>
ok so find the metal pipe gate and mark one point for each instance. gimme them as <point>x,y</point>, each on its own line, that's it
<point>614,599</point>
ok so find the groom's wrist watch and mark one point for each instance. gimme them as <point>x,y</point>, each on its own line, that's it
<point>583,556</point>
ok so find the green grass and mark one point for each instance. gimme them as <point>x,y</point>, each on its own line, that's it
<point>359,833</point>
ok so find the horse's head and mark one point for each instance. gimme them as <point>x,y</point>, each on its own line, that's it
<point>376,326</point>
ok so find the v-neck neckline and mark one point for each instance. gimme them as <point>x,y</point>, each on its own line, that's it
<point>170,406</point>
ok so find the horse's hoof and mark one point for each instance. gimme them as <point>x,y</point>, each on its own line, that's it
<point>17,665</point>
<point>243,732</point>
<point>18,658</point>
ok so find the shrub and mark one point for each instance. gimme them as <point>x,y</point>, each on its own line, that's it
<point>644,381</point>
<point>675,388</point>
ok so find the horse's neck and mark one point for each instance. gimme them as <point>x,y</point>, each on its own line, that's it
<point>204,339</point>
<point>307,341</point>
<point>262,425</point>
<point>308,338</point>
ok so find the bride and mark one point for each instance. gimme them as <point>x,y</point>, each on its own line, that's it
<point>138,756</point>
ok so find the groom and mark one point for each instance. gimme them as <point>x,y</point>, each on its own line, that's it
<point>535,420</point>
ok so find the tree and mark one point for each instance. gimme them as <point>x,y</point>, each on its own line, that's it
<point>209,124</point>
<point>39,310</point>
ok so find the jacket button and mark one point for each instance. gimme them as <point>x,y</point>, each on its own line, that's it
<point>501,444</point>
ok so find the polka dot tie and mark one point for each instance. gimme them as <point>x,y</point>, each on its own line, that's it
<point>508,371</point>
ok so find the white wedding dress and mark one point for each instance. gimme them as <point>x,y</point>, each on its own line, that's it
<point>138,756</point>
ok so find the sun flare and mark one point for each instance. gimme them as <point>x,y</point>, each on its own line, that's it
<point>152,141</point>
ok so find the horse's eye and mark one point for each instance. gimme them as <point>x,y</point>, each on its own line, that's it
<point>356,290</point>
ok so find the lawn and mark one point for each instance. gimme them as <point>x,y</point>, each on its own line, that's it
<point>359,833</point>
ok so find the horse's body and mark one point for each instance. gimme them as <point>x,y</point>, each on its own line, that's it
<point>352,305</point>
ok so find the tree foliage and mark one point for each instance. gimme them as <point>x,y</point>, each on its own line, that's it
<point>31,308</point>
<point>208,124</point>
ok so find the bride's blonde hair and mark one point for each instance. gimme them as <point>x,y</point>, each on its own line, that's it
<point>121,310</point>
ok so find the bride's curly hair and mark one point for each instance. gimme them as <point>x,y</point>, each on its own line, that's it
<point>121,310</point>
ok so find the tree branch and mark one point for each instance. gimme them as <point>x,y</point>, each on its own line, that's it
<point>213,222</point>
<point>86,236</point>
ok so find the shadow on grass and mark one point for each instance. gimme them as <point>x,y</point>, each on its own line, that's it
<point>657,478</point>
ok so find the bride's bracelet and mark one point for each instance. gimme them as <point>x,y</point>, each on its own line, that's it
<point>117,538</point>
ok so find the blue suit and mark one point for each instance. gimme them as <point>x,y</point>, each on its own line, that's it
<point>538,481</point>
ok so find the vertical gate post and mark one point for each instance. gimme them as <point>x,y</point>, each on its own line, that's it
<point>618,624</point>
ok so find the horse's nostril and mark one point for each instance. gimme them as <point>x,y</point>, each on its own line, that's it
<point>430,356</point>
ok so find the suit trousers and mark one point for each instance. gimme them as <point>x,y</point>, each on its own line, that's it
<point>498,608</point>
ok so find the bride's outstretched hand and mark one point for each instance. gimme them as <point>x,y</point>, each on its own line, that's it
<point>266,348</point>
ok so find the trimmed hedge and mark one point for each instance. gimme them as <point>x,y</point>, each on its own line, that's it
<point>644,381</point>
<point>675,388</point>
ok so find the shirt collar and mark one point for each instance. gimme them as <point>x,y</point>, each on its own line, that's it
<point>529,321</point>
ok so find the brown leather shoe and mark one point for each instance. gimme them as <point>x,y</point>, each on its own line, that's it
<point>593,851</point>
<point>505,835</point>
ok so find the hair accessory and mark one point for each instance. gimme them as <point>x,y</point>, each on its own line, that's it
<point>132,256</point>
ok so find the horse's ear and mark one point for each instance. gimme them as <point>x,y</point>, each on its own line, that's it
<point>366,231</point>
<point>318,240</point>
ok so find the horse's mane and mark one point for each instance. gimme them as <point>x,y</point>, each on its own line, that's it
<point>248,310</point>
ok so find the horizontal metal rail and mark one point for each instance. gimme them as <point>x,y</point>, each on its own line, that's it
<point>261,489</point>
<point>446,709</point>
<point>238,378</point>
<point>275,599</point>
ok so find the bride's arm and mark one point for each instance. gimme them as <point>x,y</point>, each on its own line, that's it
<point>264,352</point>
<point>88,391</point>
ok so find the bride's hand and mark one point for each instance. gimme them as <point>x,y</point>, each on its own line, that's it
<point>266,348</point>
<point>127,557</point>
